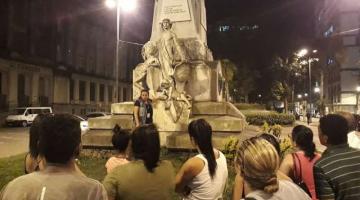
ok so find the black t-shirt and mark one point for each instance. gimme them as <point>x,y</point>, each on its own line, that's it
<point>149,111</point>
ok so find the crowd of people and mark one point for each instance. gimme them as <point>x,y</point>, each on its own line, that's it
<point>137,171</point>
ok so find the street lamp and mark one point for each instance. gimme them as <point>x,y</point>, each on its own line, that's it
<point>317,89</point>
<point>310,59</point>
<point>126,6</point>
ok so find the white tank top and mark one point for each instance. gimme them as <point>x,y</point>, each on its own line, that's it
<point>205,188</point>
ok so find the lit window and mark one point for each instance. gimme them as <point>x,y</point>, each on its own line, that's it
<point>329,31</point>
<point>330,61</point>
<point>224,28</point>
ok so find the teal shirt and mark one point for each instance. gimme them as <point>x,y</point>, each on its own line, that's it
<point>132,181</point>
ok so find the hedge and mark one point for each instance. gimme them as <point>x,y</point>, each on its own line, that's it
<point>258,118</point>
<point>247,106</point>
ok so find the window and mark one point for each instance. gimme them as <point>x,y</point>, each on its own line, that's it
<point>124,94</point>
<point>102,92</point>
<point>224,28</point>
<point>82,87</point>
<point>71,89</point>
<point>92,91</point>
<point>329,31</point>
<point>330,61</point>
<point>110,93</point>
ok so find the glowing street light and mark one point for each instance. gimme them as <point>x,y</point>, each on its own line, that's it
<point>110,4</point>
<point>317,89</point>
<point>126,6</point>
<point>306,94</point>
<point>310,59</point>
<point>299,96</point>
<point>302,52</point>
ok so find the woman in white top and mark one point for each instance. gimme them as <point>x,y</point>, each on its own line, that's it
<point>202,177</point>
<point>259,162</point>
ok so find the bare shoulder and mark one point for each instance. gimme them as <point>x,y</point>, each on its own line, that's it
<point>287,164</point>
<point>194,165</point>
<point>288,159</point>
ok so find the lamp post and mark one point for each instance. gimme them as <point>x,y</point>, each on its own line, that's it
<point>310,59</point>
<point>127,6</point>
<point>357,99</point>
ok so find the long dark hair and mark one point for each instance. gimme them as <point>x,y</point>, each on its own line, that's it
<point>120,138</point>
<point>303,136</point>
<point>200,132</point>
<point>145,143</point>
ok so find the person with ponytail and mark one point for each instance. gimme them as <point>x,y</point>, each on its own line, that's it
<point>299,165</point>
<point>120,141</point>
<point>146,177</point>
<point>259,163</point>
<point>204,175</point>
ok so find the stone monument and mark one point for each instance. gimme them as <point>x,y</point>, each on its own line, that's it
<point>183,80</point>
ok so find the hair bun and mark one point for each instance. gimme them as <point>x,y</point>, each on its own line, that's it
<point>117,128</point>
<point>272,185</point>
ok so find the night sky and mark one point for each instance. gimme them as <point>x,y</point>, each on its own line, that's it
<point>284,27</point>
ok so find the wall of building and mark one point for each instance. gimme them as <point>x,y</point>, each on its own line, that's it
<point>58,53</point>
<point>338,32</point>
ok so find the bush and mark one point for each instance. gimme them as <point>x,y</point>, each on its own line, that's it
<point>247,106</point>
<point>258,118</point>
<point>285,142</point>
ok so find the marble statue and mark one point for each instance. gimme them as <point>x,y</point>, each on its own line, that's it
<point>141,73</point>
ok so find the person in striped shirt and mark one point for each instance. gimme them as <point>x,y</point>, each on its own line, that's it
<point>337,173</point>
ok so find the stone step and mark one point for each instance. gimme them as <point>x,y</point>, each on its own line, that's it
<point>108,122</point>
<point>223,123</point>
<point>180,141</point>
<point>101,139</point>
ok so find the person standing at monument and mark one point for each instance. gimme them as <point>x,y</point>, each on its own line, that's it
<point>143,110</point>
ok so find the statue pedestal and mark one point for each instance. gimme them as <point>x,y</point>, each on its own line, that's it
<point>224,118</point>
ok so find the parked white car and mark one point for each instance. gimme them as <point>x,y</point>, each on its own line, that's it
<point>26,115</point>
<point>84,125</point>
<point>97,114</point>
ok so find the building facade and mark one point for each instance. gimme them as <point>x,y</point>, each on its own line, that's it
<point>337,26</point>
<point>61,54</point>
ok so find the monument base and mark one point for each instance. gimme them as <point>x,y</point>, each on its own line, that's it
<point>224,118</point>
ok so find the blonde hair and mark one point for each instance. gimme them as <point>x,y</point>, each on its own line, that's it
<point>259,162</point>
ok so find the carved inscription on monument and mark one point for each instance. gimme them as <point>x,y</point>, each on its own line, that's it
<point>175,10</point>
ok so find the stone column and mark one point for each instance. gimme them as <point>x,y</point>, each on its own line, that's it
<point>35,90</point>
<point>13,89</point>
<point>87,92</point>
<point>76,91</point>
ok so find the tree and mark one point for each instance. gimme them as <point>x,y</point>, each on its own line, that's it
<point>241,80</point>
<point>286,72</point>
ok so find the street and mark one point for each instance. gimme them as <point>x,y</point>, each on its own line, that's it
<point>13,141</point>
